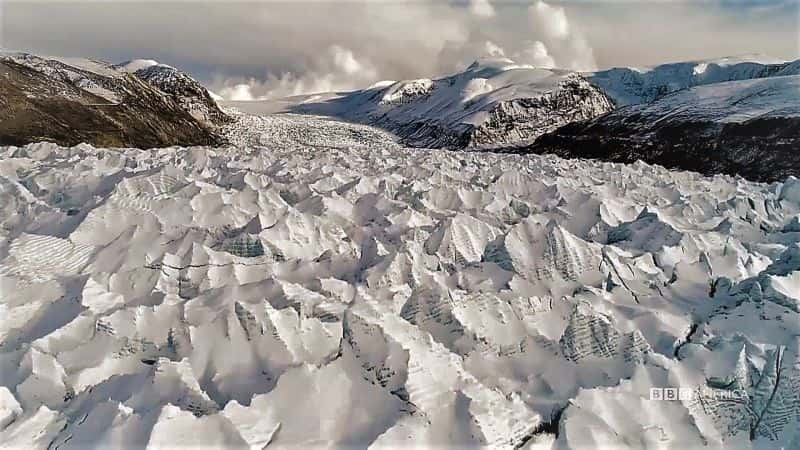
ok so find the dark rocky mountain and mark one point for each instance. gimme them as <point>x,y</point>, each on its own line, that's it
<point>185,90</point>
<point>69,101</point>
<point>748,127</point>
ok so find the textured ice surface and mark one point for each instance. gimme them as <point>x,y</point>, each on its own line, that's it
<point>322,286</point>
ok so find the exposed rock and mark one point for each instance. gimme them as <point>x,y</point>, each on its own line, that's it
<point>186,91</point>
<point>749,128</point>
<point>73,101</point>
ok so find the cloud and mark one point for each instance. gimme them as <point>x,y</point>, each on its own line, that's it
<point>536,54</point>
<point>481,8</point>
<point>551,20</point>
<point>423,39</point>
<point>291,47</point>
<point>571,50</point>
<point>338,69</point>
<point>493,49</point>
<point>240,92</point>
<point>644,33</point>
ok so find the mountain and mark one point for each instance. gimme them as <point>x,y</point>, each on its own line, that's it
<point>747,127</point>
<point>73,100</point>
<point>496,103</point>
<point>492,103</point>
<point>628,85</point>
<point>185,90</point>
<point>726,115</point>
<point>733,115</point>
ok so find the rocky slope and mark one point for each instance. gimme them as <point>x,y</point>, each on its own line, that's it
<point>69,101</point>
<point>748,127</point>
<point>492,103</point>
<point>185,90</point>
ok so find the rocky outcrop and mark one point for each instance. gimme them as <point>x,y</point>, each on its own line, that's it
<point>186,91</point>
<point>70,101</point>
<point>749,128</point>
<point>524,119</point>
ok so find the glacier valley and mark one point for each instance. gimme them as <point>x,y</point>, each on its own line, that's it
<point>317,284</point>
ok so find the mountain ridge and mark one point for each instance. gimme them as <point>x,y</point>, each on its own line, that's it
<point>74,100</point>
<point>494,102</point>
<point>497,104</point>
<point>630,85</point>
<point>747,127</point>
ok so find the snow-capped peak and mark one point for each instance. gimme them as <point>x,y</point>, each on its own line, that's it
<point>382,84</point>
<point>216,97</point>
<point>135,65</point>
<point>495,64</point>
<point>628,85</point>
<point>466,108</point>
<point>757,58</point>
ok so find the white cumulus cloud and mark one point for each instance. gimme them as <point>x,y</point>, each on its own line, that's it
<point>482,8</point>
<point>286,47</point>
<point>535,54</point>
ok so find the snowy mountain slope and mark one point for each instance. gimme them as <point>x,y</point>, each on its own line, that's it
<point>73,100</point>
<point>628,85</point>
<point>95,77</point>
<point>748,127</point>
<point>135,65</point>
<point>320,285</point>
<point>493,102</point>
<point>496,102</point>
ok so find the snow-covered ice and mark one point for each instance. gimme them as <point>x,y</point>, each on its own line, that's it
<point>321,286</point>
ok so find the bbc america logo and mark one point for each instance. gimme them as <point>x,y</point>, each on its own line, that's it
<point>686,394</point>
<point>671,394</point>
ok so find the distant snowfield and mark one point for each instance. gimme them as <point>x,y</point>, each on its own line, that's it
<point>321,286</point>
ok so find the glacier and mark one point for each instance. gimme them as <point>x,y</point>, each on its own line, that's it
<point>318,284</point>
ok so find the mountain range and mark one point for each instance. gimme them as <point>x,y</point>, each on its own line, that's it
<point>494,102</point>
<point>735,115</point>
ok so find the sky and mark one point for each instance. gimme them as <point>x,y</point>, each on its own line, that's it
<point>262,49</point>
